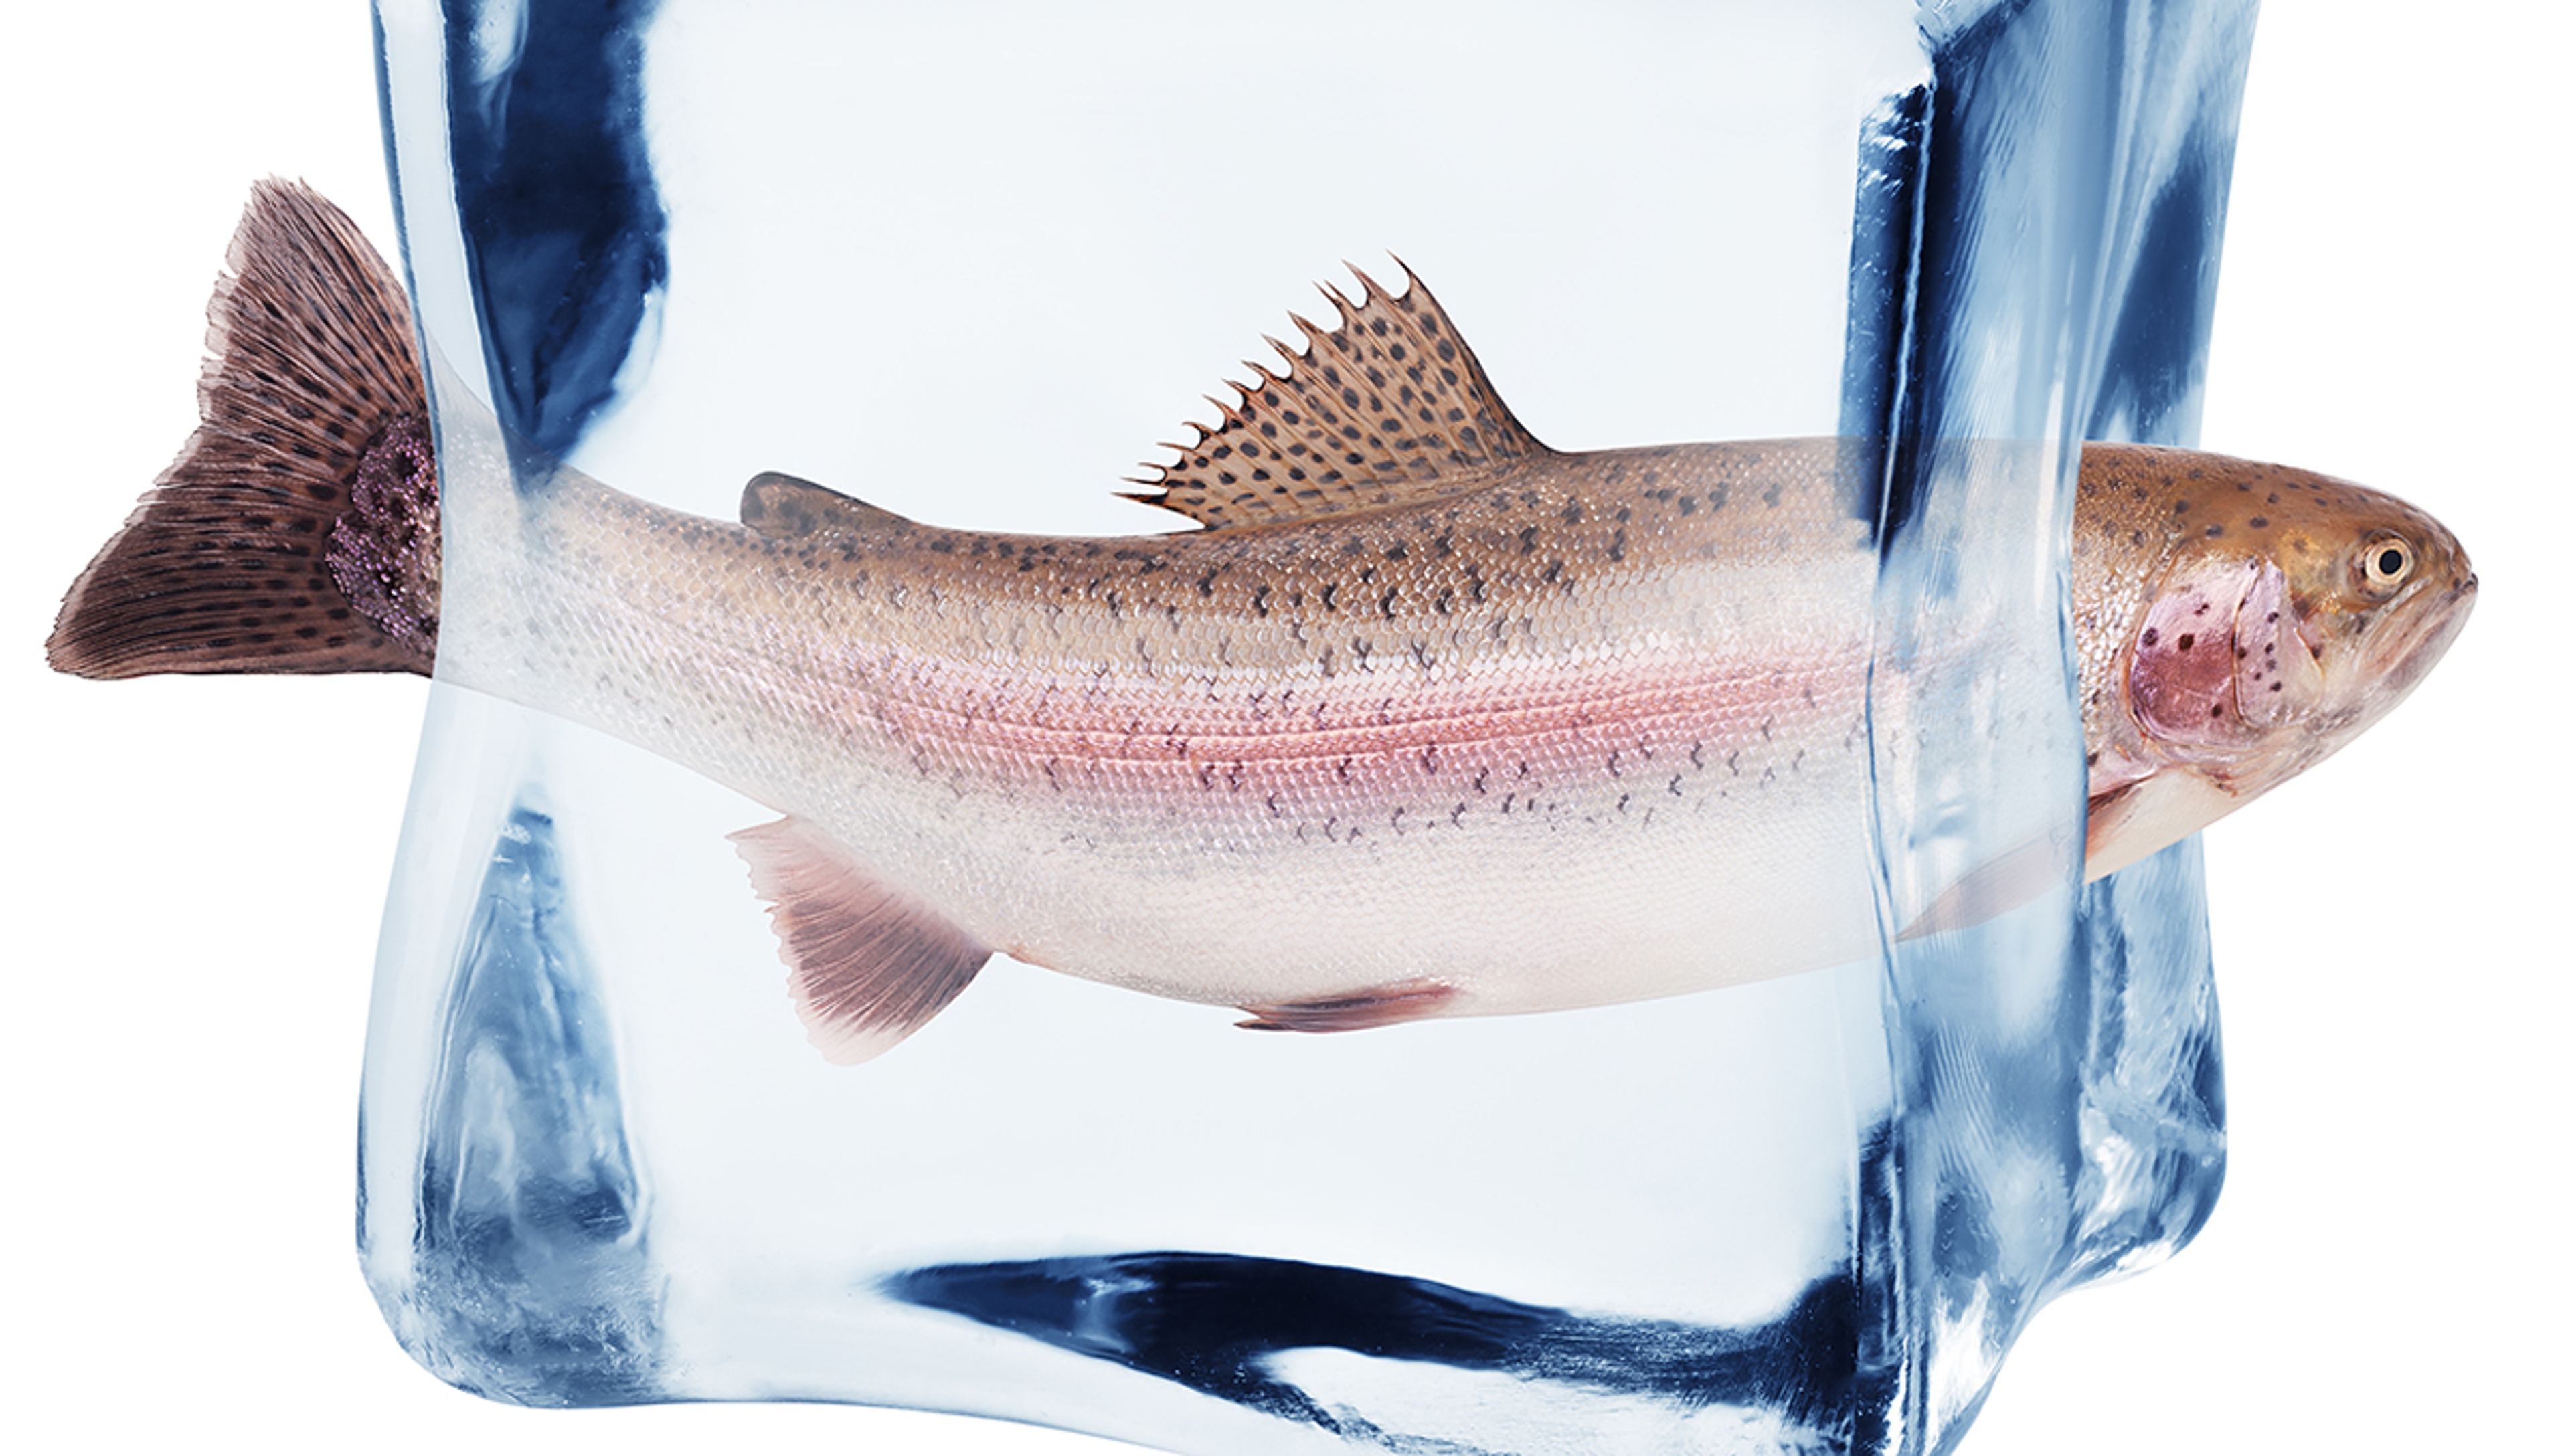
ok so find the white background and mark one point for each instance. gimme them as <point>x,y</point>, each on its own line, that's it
<point>196,866</point>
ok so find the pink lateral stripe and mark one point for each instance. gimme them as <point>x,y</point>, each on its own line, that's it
<point>1710,708</point>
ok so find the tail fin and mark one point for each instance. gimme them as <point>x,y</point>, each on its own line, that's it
<point>297,530</point>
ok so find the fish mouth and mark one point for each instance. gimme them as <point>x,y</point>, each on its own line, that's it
<point>2424,632</point>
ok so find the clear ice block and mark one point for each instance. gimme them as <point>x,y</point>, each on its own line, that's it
<point>965,261</point>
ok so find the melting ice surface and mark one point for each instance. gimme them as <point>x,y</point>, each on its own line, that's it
<point>1802,1216</point>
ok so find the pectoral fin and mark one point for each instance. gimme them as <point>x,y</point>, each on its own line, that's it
<point>868,964</point>
<point>2141,818</point>
<point>2013,880</point>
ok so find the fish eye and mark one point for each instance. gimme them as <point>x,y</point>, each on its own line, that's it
<point>2386,562</point>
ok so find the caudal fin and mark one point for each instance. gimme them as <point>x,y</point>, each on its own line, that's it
<point>298,529</point>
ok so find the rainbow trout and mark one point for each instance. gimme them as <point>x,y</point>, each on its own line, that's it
<point>1426,719</point>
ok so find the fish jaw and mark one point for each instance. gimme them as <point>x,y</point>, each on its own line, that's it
<point>2241,622</point>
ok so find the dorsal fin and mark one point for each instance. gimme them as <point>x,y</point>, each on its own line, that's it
<point>1388,407</point>
<point>784,507</point>
<point>868,964</point>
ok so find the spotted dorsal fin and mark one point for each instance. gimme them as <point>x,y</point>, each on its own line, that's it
<point>783,506</point>
<point>1387,409</point>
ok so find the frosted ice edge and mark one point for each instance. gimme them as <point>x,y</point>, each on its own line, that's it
<point>531,1274</point>
<point>2151,1131</point>
<point>2060,1074</point>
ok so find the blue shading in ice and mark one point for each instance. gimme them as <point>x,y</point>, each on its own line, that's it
<point>2150,1104</point>
<point>563,222</point>
<point>2151,390</point>
<point>1217,1323</point>
<point>533,1278</point>
<point>1873,404</point>
<point>2057,1099</point>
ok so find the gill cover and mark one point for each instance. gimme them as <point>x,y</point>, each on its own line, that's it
<point>2221,659</point>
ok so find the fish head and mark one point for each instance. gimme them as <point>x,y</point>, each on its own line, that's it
<point>2287,613</point>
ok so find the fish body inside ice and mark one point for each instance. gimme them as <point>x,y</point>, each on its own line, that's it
<point>1426,719</point>
<point>1537,745</point>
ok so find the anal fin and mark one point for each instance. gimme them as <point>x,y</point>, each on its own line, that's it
<point>867,965</point>
<point>1385,1006</point>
